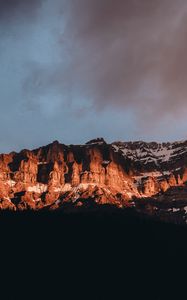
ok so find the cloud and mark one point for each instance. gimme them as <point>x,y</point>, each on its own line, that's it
<point>76,69</point>
<point>130,54</point>
<point>120,54</point>
<point>23,8</point>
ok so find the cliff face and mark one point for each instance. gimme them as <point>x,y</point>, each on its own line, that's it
<point>54,174</point>
<point>115,173</point>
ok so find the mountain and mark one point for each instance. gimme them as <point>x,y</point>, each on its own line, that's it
<point>151,177</point>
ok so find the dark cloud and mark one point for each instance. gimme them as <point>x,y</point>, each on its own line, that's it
<point>14,8</point>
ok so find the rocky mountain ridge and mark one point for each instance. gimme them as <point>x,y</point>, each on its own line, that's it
<point>120,173</point>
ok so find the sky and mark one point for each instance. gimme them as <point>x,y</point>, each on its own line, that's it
<point>73,70</point>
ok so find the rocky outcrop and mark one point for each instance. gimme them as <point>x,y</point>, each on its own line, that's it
<point>56,173</point>
<point>50,176</point>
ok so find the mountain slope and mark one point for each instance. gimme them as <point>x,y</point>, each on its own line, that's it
<point>122,174</point>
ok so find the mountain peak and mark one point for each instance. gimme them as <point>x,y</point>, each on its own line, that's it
<point>96,141</point>
<point>56,142</point>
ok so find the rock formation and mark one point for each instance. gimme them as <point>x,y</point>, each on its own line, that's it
<point>118,173</point>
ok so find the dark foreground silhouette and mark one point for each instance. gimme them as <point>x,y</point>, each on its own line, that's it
<point>108,254</point>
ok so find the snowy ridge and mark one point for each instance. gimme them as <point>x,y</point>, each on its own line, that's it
<point>157,153</point>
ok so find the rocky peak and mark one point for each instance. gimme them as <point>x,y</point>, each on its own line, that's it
<point>97,141</point>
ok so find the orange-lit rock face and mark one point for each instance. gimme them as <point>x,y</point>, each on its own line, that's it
<point>164,185</point>
<point>57,174</point>
<point>150,186</point>
<point>27,172</point>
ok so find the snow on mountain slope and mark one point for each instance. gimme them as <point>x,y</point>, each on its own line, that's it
<point>156,153</point>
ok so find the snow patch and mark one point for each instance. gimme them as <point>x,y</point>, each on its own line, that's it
<point>173,209</point>
<point>66,188</point>
<point>58,201</point>
<point>176,209</point>
<point>106,162</point>
<point>166,172</point>
<point>39,188</point>
<point>116,148</point>
<point>129,194</point>
<point>11,182</point>
<point>42,163</point>
<point>7,198</point>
